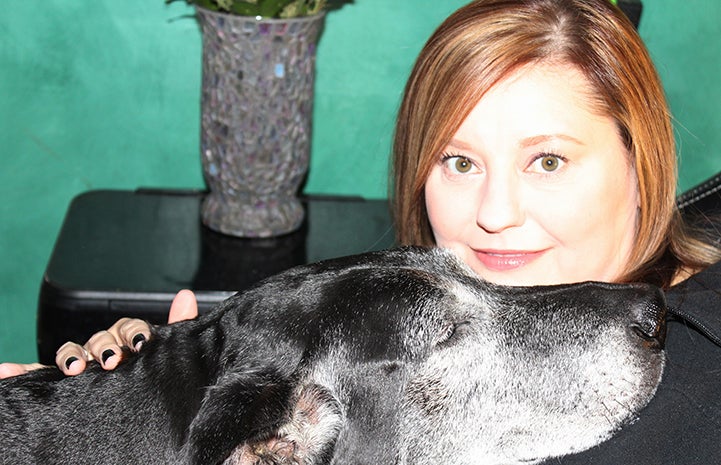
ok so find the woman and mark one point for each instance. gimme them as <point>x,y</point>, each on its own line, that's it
<point>534,141</point>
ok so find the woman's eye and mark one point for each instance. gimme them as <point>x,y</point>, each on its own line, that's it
<point>549,163</point>
<point>459,164</point>
<point>462,165</point>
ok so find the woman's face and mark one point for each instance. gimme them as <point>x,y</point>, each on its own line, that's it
<point>536,187</point>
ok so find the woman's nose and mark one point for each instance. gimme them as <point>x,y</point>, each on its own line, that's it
<point>500,204</point>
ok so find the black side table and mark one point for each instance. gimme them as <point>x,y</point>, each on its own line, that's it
<point>127,253</point>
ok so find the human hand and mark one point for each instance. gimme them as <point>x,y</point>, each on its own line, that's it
<point>104,346</point>
<point>8,370</point>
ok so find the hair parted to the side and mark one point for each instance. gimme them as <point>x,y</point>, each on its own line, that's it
<point>486,41</point>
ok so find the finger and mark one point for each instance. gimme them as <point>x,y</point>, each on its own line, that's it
<point>8,370</point>
<point>184,307</point>
<point>131,332</point>
<point>72,358</point>
<point>104,347</point>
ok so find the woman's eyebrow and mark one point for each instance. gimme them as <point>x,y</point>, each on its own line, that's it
<point>460,145</point>
<point>541,138</point>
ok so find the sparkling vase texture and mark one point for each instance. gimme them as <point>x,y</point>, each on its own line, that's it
<point>256,110</point>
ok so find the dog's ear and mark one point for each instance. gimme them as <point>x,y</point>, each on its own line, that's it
<point>255,423</point>
<point>239,407</point>
<point>307,438</point>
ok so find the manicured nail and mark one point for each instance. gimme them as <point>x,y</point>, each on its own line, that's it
<point>107,353</point>
<point>138,341</point>
<point>70,361</point>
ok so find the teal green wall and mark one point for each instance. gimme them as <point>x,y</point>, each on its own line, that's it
<point>105,94</point>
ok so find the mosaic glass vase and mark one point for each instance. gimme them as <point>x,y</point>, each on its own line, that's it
<point>256,110</point>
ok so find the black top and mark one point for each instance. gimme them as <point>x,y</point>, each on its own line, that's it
<point>682,423</point>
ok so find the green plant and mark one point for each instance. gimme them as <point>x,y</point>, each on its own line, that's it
<point>264,8</point>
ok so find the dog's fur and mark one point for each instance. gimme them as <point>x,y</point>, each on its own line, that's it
<point>398,357</point>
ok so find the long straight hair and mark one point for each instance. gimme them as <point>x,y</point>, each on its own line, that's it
<point>485,42</point>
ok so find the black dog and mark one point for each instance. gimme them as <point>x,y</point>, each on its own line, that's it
<point>397,357</point>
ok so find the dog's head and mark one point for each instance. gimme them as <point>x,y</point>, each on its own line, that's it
<point>406,357</point>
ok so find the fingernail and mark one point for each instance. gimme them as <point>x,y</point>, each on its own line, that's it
<point>138,341</point>
<point>107,354</point>
<point>70,361</point>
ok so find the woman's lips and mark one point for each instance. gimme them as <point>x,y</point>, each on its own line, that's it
<point>502,260</point>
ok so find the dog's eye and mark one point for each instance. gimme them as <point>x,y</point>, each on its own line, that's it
<point>449,333</point>
<point>445,334</point>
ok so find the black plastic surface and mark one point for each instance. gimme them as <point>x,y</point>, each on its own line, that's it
<point>125,253</point>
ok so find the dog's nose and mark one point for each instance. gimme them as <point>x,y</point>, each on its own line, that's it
<point>649,316</point>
